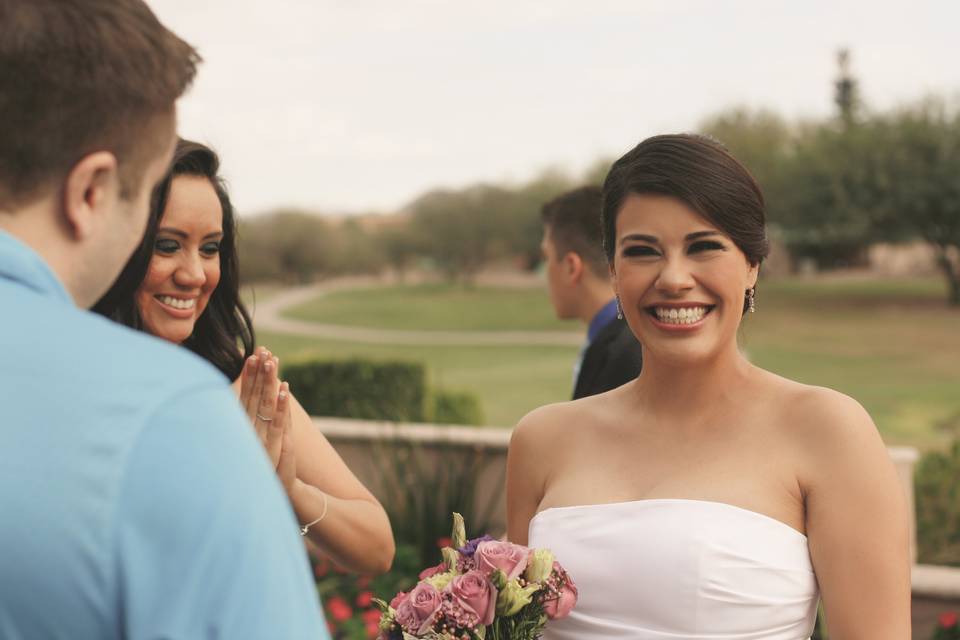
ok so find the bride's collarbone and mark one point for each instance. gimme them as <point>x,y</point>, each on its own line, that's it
<point>750,477</point>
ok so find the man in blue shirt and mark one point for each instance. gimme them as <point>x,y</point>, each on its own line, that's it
<point>578,278</point>
<point>136,501</point>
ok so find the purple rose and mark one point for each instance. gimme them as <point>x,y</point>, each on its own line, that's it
<point>470,548</point>
<point>416,612</point>
<point>506,556</point>
<point>474,598</point>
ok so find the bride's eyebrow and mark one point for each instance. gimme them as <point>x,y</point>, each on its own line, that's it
<point>639,237</point>
<point>690,237</point>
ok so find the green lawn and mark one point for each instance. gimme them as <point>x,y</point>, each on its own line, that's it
<point>436,306</point>
<point>893,345</point>
<point>510,381</point>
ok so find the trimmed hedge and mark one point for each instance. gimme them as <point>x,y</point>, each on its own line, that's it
<point>938,507</point>
<point>360,389</point>
<point>449,407</point>
<point>369,390</point>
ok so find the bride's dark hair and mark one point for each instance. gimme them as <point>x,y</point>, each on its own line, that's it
<point>223,334</point>
<point>698,171</point>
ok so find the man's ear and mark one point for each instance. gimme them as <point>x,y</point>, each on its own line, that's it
<point>573,267</point>
<point>91,189</point>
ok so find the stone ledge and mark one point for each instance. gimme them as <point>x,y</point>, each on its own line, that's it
<point>936,581</point>
<point>365,430</point>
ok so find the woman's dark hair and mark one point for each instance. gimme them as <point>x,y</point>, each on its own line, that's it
<point>698,171</point>
<point>225,326</point>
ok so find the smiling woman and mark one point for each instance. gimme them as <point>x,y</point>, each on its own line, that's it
<point>185,268</point>
<point>182,285</point>
<point>734,493</point>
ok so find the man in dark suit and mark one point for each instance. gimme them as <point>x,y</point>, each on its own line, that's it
<point>579,283</point>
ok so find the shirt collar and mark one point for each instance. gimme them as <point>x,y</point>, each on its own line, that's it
<point>21,264</point>
<point>605,316</point>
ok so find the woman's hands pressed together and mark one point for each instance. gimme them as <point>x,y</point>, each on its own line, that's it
<point>346,521</point>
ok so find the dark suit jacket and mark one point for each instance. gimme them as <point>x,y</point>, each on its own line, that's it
<point>612,359</point>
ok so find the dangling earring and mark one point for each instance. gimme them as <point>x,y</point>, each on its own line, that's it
<point>751,300</point>
<point>619,309</point>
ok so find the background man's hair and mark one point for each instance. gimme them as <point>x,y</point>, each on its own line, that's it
<point>79,76</point>
<point>574,224</point>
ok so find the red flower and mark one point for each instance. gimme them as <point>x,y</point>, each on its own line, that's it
<point>339,609</point>
<point>371,621</point>
<point>364,599</point>
<point>444,542</point>
<point>363,582</point>
<point>948,620</point>
<point>321,568</point>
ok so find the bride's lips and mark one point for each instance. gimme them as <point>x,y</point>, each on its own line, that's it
<point>186,309</point>
<point>679,317</point>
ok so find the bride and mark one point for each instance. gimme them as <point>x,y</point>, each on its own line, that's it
<point>708,498</point>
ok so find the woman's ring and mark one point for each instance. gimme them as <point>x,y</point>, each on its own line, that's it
<point>265,419</point>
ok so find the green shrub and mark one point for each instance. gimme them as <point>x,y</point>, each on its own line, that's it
<point>937,486</point>
<point>360,389</point>
<point>448,407</point>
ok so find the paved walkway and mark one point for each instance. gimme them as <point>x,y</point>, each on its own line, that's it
<point>268,316</point>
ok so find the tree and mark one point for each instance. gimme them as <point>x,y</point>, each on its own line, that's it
<point>846,95</point>
<point>920,170</point>
<point>400,246</point>
<point>287,244</point>
<point>457,229</point>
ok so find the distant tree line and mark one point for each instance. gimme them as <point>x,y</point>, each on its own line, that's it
<point>833,188</point>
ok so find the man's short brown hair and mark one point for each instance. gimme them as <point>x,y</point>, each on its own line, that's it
<point>573,222</point>
<point>79,76</point>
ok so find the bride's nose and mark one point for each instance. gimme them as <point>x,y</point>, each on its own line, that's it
<point>675,277</point>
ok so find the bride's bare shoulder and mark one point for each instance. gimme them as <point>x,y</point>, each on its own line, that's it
<point>554,422</point>
<point>819,417</point>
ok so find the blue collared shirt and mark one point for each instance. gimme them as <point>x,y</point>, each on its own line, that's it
<point>606,315</point>
<point>135,500</point>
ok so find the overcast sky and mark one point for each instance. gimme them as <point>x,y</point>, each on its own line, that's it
<point>353,105</point>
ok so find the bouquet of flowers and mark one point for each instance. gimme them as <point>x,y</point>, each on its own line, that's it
<point>484,589</point>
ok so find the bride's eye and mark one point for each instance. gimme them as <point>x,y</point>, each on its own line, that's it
<point>705,245</point>
<point>639,250</point>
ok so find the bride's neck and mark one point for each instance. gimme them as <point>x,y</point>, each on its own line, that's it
<point>677,388</point>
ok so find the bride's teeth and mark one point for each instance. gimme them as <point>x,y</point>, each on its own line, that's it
<point>177,303</point>
<point>683,315</point>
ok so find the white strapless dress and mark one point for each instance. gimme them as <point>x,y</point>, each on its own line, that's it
<point>679,570</point>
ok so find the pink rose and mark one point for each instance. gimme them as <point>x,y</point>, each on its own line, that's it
<point>506,556</point>
<point>397,599</point>
<point>416,612</point>
<point>475,596</point>
<point>432,571</point>
<point>561,605</point>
